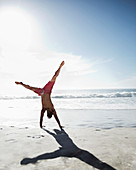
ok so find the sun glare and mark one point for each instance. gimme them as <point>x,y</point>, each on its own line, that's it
<point>15,29</point>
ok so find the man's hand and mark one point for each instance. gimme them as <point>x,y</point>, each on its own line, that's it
<point>61,127</point>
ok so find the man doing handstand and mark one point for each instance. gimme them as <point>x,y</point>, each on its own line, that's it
<point>45,94</point>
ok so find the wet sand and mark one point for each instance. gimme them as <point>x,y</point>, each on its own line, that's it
<point>32,148</point>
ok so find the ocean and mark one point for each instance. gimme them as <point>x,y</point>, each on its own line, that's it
<point>102,108</point>
<point>87,99</point>
<point>96,99</point>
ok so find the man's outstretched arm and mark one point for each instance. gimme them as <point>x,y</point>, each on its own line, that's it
<point>57,72</point>
<point>57,119</point>
<point>41,117</point>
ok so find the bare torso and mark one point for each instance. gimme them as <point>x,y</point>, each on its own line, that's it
<point>46,101</point>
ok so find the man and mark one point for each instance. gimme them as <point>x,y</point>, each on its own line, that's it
<point>45,94</point>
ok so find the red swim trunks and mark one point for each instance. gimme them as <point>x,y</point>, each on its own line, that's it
<point>46,89</point>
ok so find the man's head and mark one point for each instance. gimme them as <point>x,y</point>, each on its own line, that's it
<point>50,113</point>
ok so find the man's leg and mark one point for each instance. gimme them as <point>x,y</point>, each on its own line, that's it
<point>57,72</point>
<point>41,117</point>
<point>26,86</point>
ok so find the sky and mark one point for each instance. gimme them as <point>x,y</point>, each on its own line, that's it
<point>96,39</point>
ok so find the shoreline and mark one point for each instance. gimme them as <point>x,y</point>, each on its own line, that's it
<point>104,119</point>
<point>116,147</point>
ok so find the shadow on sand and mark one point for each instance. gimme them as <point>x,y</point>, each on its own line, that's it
<point>70,150</point>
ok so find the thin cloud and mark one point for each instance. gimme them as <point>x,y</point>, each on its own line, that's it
<point>129,82</point>
<point>27,63</point>
<point>101,60</point>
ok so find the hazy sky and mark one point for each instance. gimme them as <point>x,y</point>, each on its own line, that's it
<point>95,38</point>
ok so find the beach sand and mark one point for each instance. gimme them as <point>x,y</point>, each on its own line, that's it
<point>75,148</point>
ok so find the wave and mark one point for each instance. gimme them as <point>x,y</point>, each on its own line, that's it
<point>79,96</point>
<point>108,95</point>
<point>24,97</point>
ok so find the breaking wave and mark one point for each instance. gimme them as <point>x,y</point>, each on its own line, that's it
<point>81,95</point>
<point>109,95</point>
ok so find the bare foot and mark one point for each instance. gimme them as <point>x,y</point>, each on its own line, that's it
<point>18,82</point>
<point>62,63</point>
